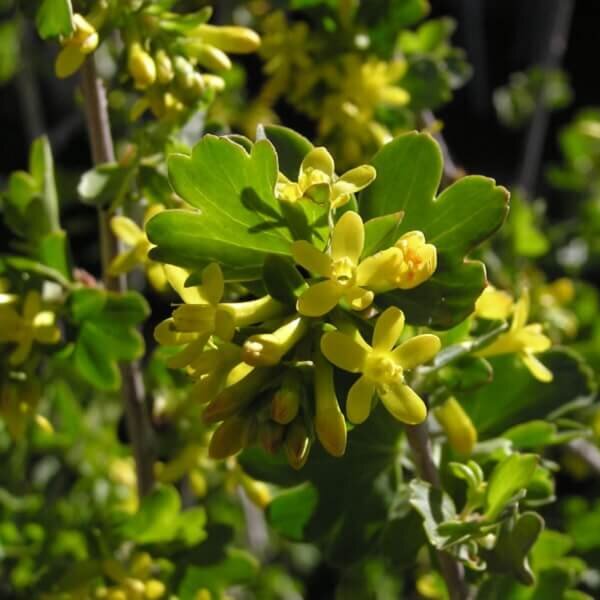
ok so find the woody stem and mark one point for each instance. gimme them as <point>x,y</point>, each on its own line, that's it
<point>452,571</point>
<point>133,390</point>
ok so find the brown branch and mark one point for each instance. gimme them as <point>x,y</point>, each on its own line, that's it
<point>452,571</point>
<point>134,393</point>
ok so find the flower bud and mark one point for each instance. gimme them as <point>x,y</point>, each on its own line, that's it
<point>296,444</point>
<point>238,40</point>
<point>164,67</point>
<point>229,437</point>
<point>456,423</point>
<point>248,382</point>
<point>154,589</point>
<point>257,491</point>
<point>210,57</point>
<point>141,66</point>
<point>270,436</point>
<point>330,424</point>
<point>286,400</point>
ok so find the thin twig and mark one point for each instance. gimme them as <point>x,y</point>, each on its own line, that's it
<point>134,393</point>
<point>536,135</point>
<point>452,571</point>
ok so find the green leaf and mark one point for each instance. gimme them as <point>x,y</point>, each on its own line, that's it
<point>435,506</point>
<point>508,478</point>
<point>533,434</point>
<point>54,252</point>
<point>155,518</point>
<point>515,540</point>
<point>237,568</point>
<point>41,165</point>
<point>291,148</point>
<point>10,51</point>
<point>26,265</point>
<point>289,512</point>
<point>381,232</point>
<point>357,494</point>
<point>107,333</point>
<point>54,18</point>
<point>515,396</point>
<point>409,171</point>
<point>106,185</point>
<point>282,279</point>
<point>240,220</point>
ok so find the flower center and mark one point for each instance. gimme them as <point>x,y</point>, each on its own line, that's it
<point>312,176</point>
<point>343,271</point>
<point>382,369</point>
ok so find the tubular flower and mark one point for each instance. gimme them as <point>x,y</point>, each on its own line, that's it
<point>203,313</point>
<point>341,269</point>
<point>34,325</point>
<point>132,235</point>
<point>318,182</point>
<point>82,41</point>
<point>406,265</point>
<point>524,340</point>
<point>382,367</point>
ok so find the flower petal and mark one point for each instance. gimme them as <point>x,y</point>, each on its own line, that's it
<point>360,400</point>
<point>199,318</point>
<point>536,368</point>
<point>32,305</point>
<point>213,283</point>
<point>307,256</point>
<point>348,237</point>
<point>521,312</point>
<point>123,263</point>
<point>533,338</point>
<point>318,159</point>
<point>166,334</point>
<point>157,277</point>
<point>319,299</point>
<point>358,298</point>
<point>354,180</point>
<point>21,352</point>
<point>126,230</point>
<point>177,277</point>
<point>388,328</point>
<point>493,304</point>
<point>344,352</point>
<point>403,404</point>
<point>417,350</point>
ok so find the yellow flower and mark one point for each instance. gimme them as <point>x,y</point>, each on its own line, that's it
<point>524,340</point>
<point>82,41</point>
<point>408,264</point>
<point>34,325</point>
<point>456,423</point>
<point>340,268</point>
<point>493,304</point>
<point>204,315</point>
<point>132,235</point>
<point>318,182</point>
<point>382,367</point>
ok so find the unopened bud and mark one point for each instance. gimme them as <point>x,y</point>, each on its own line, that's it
<point>228,439</point>
<point>238,40</point>
<point>155,589</point>
<point>141,66</point>
<point>164,67</point>
<point>286,400</point>
<point>270,436</point>
<point>456,423</point>
<point>330,424</point>
<point>296,444</point>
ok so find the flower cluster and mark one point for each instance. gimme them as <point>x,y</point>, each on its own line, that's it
<point>264,369</point>
<point>343,93</point>
<point>174,60</point>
